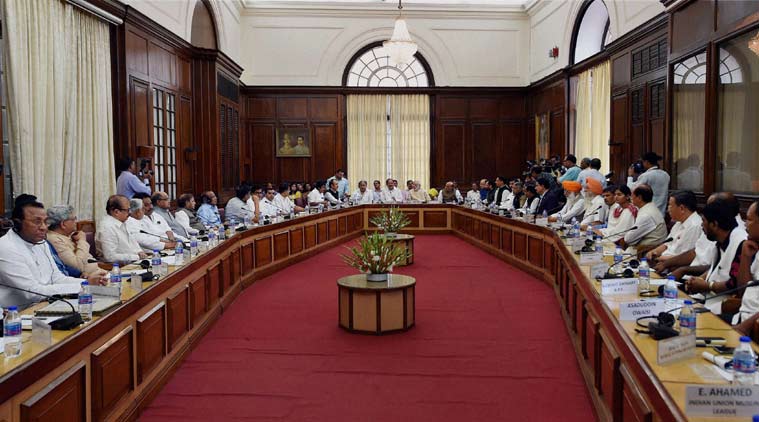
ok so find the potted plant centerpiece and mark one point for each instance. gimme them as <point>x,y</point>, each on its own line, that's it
<point>376,255</point>
<point>391,221</point>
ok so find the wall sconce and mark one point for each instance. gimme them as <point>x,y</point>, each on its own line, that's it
<point>554,52</point>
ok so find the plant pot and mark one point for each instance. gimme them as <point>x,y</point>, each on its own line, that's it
<point>377,277</point>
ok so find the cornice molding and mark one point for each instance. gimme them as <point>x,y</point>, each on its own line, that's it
<point>358,9</point>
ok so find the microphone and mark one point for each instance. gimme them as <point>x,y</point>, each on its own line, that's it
<point>627,273</point>
<point>595,211</point>
<point>66,323</point>
<point>618,233</point>
<point>165,239</point>
<point>751,283</point>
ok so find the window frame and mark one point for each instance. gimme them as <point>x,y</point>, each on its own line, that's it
<point>422,61</point>
<point>165,169</point>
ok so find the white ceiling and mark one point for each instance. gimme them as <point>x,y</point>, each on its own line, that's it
<point>511,5</point>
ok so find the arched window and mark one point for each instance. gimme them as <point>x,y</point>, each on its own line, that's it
<point>591,31</point>
<point>371,68</point>
<point>693,69</point>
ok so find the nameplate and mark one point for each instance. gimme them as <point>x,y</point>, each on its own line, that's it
<point>41,332</point>
<point>542,222</point>
<point>619,286</point>
<point>675,349</point>
<point>108,291</point>
<point>576,243</point>
<point>721,400</point>
<point>589,258</point>
<point>630,311</point>
<point>598,270</point>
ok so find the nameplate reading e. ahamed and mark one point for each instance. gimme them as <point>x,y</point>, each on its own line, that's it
<point>722,400</point>
<point>630,311</point>
<point>675,348</point>
<point>619,286</point>
<point>588,258</point>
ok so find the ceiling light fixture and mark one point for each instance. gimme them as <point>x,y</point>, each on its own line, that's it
<point>400,47</point>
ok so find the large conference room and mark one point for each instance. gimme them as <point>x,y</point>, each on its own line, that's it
<point>379,210</point>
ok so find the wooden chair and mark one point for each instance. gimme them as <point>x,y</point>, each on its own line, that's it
<point>88,227</point>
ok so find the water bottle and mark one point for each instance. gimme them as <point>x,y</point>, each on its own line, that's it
<point>687,319</point>
<point>212,238</point>
<point>618,255</point>
<point>155,262</point>
<point>220,230</point>
<point>560,220</point>
<point>599,245</point>
<point>644,276</point>
<point>589,233</point>
<point>179,254</point>
<point>575,227</point>
<point>545,214</point>
<point>744,363</point>
<point>12,332</point>
<point>193,245</point>
<point>116,275</point>
<point>670,289</point>
<point>85,302</point>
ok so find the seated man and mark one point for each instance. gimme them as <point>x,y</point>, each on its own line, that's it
<point>185,215</point>
<point>208,213</point>
<point>448,194</point>
<point>142,230</point>
<point>720,226</point>
<point>283,202</point>
<point>362,195</point>
<point>332,195</point>
<point>154,222</point>
<point>685,232</point>
<point>518,198</point>
<point>548,201</point>
<point>162,208</point>
<point>419,194</point>
<point>574,206</point>
<point>377,192</point>
<point>112,239</point>
<point>651,229</point>
<point>501,193</point>
<point>596,208</point>
<point>26,261</point>
<point>267,207</point>
<point>70,245</point>
<point>392,194</point>
<point>128,183</point>
<point>237,208</point>
<point>316,196</point>
<point>749,268</point>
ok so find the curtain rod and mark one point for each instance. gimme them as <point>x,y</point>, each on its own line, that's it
<point>100,13</point>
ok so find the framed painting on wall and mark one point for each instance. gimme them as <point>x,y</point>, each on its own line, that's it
<point>542,135</point>
<point>293,142</point>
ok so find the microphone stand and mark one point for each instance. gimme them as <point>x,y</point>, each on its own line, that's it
<point>751,283</point>
<point>65,323</point>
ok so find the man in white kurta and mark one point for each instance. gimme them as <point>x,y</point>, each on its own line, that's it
<point>685,232</point>
<point>595,206</point>
<point>574,206</point>
<point>392,194</point>
<point>651,228</point>
<point>362,195</point>
<point>112,239</point>
<point>26,261</point>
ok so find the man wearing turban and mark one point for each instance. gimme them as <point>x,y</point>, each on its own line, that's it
<point>596,208</point>
<point>574,206</point>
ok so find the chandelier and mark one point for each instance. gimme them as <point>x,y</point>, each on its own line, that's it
<point>400,47</point>
<point>753,44</point>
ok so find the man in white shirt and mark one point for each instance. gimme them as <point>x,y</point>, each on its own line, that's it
<point>237,207</point>
<point>651,229</point>
<point>377,192</point>
<point>316,196</point>
<point>593,171</point>
<point>283,202</point>
<point>749,271</point>
<point>26,261</point>
<point>656,178</point>
<point>154,222</point>
<point>362,195</point>
<point>267,206</point>
<point>186,216</point>
<point>685,232</point>
<point>596,208</point>
<point>720,226</point>
<point>342,183</point>
<point>392,194</point>
<point>112,239</point>
<point>574,206</point>
<point>142,230</point>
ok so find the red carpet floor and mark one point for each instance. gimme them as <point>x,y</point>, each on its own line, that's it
<point>489,345</point>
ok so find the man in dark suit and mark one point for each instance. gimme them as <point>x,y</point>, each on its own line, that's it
<point>549,199</point>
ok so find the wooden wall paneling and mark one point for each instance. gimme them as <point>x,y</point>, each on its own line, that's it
<point>484,232</point>
<point>325,146</point>
<point>450,153</point>
<point>635,407</point>
<point>506,241</point>
<point>332,228</point>
<point>198,299</point>
<point>291,168</point>
<point>263,251</point>
<point>247,259</point>
<point>261,140</point>
<point>236,272</point>
<point>177,317</point>
<point>512,153</point>
<point>151,340</point>
<point>141,111</point>
<point>485,149</point>
<point>591,346</point>
<point>535,251</point>
<point>186,171</point>
<point>309,236</point>
<point>495,236</point>
<point>321,232</point>
<point>281,245</point>
<point>112,374</point>
<point>63,400</point>
<point>578,322</point>
<point>619,136</point>
<point>413,217</point>
<point>435,219</point>
<point>162,64</point>
<point>342,225</point>
<point>610,377</point>
<point>292,108</point>
<point>206,129</point>
<point>296,240</point>
<point>475,228</point>
<point>324,109</point>
<point>226,275</point>
<point>136,52</point>
<point>520,246</point>
<point>261,108</point>
<point>557,132</point>
<point>571,304</point>
<point>691,26</point>
<point>213,286</point>
<point>184,80</point>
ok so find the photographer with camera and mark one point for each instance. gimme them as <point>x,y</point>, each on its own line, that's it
<point>128,184</point>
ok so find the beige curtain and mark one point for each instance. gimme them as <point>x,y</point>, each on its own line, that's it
<point>367,138</point>
<point>594,113</point>
<point>58,86</point>
<point>688,113</point>
<point>410,136</point>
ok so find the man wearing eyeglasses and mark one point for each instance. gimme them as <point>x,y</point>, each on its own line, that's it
<point>26,261</point>
<point>112,240</point>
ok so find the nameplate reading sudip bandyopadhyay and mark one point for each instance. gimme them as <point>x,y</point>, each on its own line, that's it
<point>619,286</point>
<point>675,348</point>
<point>722,400</point>
<point>630,311</point>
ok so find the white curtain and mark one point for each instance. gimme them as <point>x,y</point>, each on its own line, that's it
<point>594,113</point>
<point>367,138</point>
<point>410,136</point>
<point>58,87</point>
